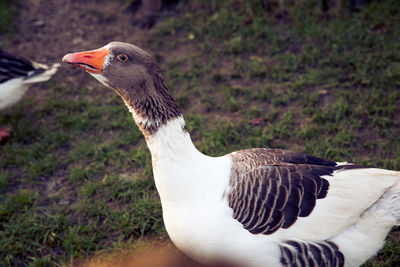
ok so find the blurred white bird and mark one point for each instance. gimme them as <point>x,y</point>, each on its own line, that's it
<point>16,75</point>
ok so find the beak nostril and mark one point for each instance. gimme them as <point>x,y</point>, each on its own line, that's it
<point>87,56</point>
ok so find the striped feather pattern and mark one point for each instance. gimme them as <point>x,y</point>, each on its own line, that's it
<point>298,254</point>
<point>271,188</point>
<point>12,67</point>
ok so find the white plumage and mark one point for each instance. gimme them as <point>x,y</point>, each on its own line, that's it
<point>359,210</point>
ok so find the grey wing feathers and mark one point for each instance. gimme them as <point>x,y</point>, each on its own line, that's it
<point>271,188</point>
<point>297,254</point>
<point>269,156</point>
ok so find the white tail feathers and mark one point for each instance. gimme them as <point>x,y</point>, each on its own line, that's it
<point>39,75</point>
<point>362,240</point>
<point>390,203</point>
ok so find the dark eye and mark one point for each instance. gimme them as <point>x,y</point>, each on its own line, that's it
<point>122,57</point>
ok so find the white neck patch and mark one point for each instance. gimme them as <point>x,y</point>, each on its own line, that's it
<point>170,137</point>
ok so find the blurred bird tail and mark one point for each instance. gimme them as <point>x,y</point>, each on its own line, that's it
<point>42,74</point>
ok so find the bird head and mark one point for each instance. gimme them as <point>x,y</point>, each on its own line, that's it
<point>123,67</point>
<point>135,76</point>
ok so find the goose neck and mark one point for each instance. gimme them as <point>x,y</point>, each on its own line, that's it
<point>171,141</point>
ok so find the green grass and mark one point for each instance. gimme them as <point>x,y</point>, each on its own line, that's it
<point>8,10</point>
<point>76,177</point>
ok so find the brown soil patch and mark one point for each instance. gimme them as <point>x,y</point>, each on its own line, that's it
<point>47,30</point>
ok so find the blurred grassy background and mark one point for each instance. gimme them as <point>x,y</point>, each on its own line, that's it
<point>75,176</point>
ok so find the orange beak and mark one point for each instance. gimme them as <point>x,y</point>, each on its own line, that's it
<point>91,61</point>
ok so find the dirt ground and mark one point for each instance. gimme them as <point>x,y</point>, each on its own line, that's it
<point>47,30</point>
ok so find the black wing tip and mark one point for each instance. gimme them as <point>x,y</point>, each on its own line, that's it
<point>350,167</point>
<point>319,161</point>
<point>303,158</point>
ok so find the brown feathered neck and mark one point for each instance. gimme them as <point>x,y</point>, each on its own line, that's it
<point>154,107</point>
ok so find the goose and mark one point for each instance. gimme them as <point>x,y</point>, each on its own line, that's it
<point>16,75</point>
<point>254,207</point>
